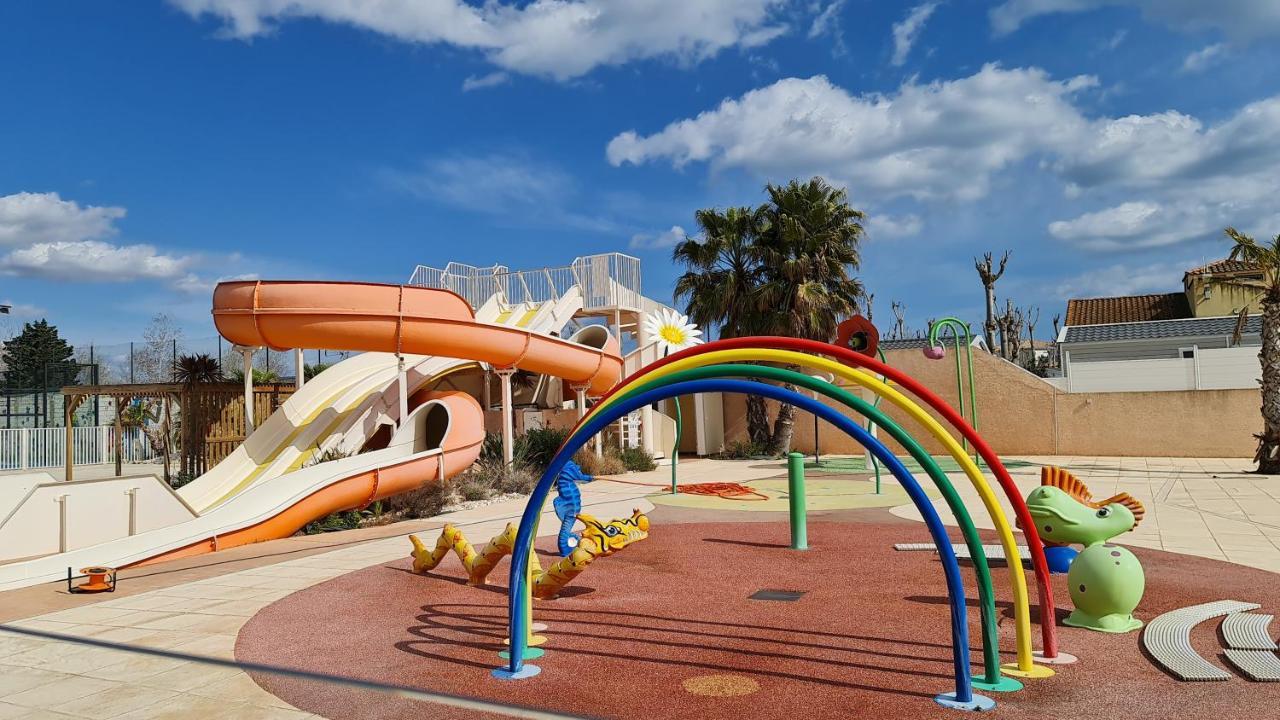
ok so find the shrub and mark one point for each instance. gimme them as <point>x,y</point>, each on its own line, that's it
<point>474,486</point>
<point>541,445</point>
<point>180,478</point>
<point>610,463</point>
<point>345,520</point>
<point>309,371</point>
<point>742,450</point>
<point>427,501</point>
<point>637,460</point>
<point>325,456</point>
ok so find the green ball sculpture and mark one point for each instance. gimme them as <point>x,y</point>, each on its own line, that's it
<point>1106,580</point>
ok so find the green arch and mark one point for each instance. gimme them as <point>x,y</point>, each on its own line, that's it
<point>992,679</point>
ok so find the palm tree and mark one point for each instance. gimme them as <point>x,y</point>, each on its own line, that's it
<point>197,369</point>
<point>807,245</point>
<point>1267,258</point>
<point>723,274</point>
<point>783,269</point>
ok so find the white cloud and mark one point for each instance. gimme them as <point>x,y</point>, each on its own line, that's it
<point>477,82</point>
<point>27,218</point>
<point>195,285</point>
<point>893,227</point>
<point>24,310</point>
<point>1129,225</point>
<point>562,39</point>
<point>827,22</point>
<point>95,261</point>
<point>660,241</point>
<point>504,185</point>
<point>908,30</point>
<point>941,140</point>
<point>58,239</point>
<point>1204,57</point>
<point>1125,279</point>
<point>1242,20</point>
<point>1138,180</point>
<point>1117,39</point>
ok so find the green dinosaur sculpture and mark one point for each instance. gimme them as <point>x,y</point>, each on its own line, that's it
<point>1106,580</point>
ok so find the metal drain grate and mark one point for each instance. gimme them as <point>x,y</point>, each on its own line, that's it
<point>777,595</point>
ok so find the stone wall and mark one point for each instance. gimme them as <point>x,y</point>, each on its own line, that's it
<point>1021,414</point>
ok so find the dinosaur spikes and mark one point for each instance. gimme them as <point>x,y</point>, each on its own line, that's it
<point>1066,482</point>
<point>1072,485</point>
<point>1130,502</point>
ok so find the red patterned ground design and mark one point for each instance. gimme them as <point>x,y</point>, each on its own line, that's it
<point>869,639</point>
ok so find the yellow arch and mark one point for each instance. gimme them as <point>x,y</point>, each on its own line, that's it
<point>1024,667</point>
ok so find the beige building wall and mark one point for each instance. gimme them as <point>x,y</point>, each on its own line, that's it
<point>1021,414</point>
<point>1220,300</point>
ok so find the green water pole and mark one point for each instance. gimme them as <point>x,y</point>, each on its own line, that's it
<point>871,425</point>
<point>960,329</point>
<point>795,499</point>
<point>675,450</point>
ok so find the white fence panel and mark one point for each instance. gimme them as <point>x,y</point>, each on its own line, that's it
<point>35,448</point>
<point>1226,368</point>
<point>1132,375</point>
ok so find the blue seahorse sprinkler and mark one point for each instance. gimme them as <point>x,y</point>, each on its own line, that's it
<point>1106,580</point>
<point>568,504</point>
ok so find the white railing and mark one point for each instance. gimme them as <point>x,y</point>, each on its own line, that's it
<point>34,448</point>
<point>610,280</point>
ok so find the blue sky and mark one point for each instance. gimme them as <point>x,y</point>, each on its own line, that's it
<point>150,148</point>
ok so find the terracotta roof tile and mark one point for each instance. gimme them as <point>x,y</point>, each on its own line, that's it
<point>1128,308</point>
<point>1223,266</point>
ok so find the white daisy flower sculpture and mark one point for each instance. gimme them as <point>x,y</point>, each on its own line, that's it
<point>671,331</point>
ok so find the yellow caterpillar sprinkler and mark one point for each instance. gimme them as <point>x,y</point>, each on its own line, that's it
<point>598,540</point>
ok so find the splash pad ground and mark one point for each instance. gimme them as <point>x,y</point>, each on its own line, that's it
<point>667,629</point>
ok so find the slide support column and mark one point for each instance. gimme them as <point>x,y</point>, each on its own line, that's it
<point>299,369</point>
<point>402,389</point>
<point>795,501</point>
<point>508,420</point>
<point>246,354</point>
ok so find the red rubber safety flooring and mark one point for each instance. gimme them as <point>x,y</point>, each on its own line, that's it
<point>665,629</point>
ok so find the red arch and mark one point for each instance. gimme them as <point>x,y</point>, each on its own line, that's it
<point>1048,630</point>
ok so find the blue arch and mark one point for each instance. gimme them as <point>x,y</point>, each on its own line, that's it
<point>528,521</point>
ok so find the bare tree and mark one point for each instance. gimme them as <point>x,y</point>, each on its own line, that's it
<point>989,276</point>
<point>1031,316</point>
<point>900,320</point>
<point>871,299</point>
<point>154,361</point>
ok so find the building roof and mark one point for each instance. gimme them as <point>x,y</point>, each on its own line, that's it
<point>1187,327</point>
<point>1218,267</point>
<point>1127,309</point>
<point>918,343</point>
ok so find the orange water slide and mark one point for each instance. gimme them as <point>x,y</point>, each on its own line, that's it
<point>391,318</point>
<point>397,318</point>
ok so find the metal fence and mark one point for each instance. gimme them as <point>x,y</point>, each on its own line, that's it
<point>37,448</point>
<point>607,281</point>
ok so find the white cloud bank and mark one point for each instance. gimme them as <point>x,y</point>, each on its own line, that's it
<point>940,140</point>
<point>1152,180</point>
<point>58,239</point>
<point>1242,20</point>
<point>562,39</point>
